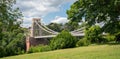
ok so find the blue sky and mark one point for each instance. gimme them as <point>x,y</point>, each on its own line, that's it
<point>60,13</point>
<point>48,10</point>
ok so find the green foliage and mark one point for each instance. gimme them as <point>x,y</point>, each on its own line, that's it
<point>39,48</point>
<point>70,26</point>
<point>12,38</point>
<point>110,38</point>
<point>93,34</point>
<point>83,42</point>
<point>97,11</point>
<point>117,37</point>
<point>2,51</point>
<point>13,44</point>
<point>63,40</point>
<point>55,27</point>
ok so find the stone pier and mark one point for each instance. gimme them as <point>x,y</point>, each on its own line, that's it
<point>31,41</point>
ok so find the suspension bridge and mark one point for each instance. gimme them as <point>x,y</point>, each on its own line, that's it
<point>39,33</point>
<point>39,30</point>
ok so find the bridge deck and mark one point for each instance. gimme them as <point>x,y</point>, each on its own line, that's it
<point>47,36</point>
<point>50,36</point>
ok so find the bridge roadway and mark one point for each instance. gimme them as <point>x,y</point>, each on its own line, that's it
<point>50,36</point>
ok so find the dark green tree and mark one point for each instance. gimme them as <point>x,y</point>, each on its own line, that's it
<point>11,34</point>
<point>70,26</point>
<point>94,34</point>
<point>55,27</point>
<point>63,40</point>
<point>97,11</point>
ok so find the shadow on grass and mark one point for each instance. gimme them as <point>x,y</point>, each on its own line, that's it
<point>108,43</point>
<point>113,43</point>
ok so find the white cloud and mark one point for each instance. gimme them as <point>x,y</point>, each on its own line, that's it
<point>35,8</point>
<point>59,20</point>
<point>38,8</point>
<point>27,22</point>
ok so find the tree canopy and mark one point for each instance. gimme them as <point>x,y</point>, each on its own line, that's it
<point>70,26</point>
<point>11,34</point>
<point>97,11</point>
<point>55,27</point>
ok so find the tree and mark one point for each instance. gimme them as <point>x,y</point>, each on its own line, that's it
<point>93,34</point>
<point>97,11</point>
<point>70,26</point>
<point>63,40</point>
<point>55,27</point>
<point>11,34</point>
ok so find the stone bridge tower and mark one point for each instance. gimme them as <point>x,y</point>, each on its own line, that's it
<point>35,30</point>
<point>34,26</point>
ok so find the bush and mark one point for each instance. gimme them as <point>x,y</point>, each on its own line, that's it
<point>83,42</point>
<point>2,51</point>
<point>15,45</point>
<point>39,48</point>
<point>117,37</point>
<point>110,38</point>
<point>63,40</point>
<point>93,34</point>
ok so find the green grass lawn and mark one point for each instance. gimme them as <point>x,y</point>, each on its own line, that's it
<point>88,52</point>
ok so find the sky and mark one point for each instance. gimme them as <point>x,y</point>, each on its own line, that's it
<point>47,10</point>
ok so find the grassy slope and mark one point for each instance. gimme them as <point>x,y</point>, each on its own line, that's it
<point>90,52</point>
